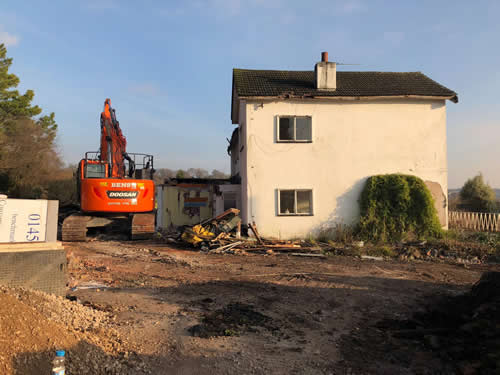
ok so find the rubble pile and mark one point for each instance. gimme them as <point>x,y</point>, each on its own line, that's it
<point>222,235</point>
<point>424,252</point>
<point>464,331</point>
<point>34,324</point>
<point>63,311</point>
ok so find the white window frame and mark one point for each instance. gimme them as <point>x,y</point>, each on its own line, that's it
<point>294,140</point>
<point>311,213</point>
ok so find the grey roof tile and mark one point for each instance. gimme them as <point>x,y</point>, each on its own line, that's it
<point>250,83</point>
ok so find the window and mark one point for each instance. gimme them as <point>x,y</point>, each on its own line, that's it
<point>295,202</point>
<point>294,129</point>
<point>95,170</point>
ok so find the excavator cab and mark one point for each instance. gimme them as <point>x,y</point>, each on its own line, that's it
<point>94,169</point>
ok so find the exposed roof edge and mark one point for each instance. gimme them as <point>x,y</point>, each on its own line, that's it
<point>453,98</point>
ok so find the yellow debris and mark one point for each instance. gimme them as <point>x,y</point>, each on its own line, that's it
<point>196,234</point>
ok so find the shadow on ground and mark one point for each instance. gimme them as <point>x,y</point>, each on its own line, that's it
<point>315,323</point>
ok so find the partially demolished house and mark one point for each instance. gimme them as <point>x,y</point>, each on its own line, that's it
<point>306,141</point>
<point>190,201</point>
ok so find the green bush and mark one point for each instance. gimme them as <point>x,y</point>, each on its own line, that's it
<point>394,206</point>
<point>476,195</point>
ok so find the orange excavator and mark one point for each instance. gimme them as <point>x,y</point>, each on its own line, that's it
<point>115,188</point>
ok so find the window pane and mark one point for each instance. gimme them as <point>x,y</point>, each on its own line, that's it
<point>287,200</point>
<point>95,171</point>
<point>303,125</point>
<point>304,202</point>
<point>286,129</point>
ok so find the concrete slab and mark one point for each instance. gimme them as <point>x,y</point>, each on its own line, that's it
<point>41,266</point>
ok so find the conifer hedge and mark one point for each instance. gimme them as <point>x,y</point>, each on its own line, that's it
<point>394,206</point>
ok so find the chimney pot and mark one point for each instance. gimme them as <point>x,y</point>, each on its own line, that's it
<point>324,56</point>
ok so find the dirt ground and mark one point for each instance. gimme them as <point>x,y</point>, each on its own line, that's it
<point>186,312</point>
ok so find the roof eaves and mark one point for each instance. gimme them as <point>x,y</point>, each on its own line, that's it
<point>453,98</point>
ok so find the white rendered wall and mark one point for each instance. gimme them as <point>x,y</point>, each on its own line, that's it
<point>352,140</point>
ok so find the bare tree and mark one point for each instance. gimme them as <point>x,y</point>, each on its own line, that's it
<point>198,172</point>
<point>218,174</point>
<point>162,174</point>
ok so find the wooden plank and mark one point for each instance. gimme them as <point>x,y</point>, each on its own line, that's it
<point>284,246</point>
<point>227,247</point>
<point>255,232</point>
<point>307,255</point>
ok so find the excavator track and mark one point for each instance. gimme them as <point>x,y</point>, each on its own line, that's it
<point>74,228</point>
<point>143,226</point>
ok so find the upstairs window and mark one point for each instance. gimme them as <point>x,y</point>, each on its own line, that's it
<point>295,202</point>
<point>294,129</point>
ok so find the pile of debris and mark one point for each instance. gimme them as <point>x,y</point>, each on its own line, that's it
<point>449,334</point>
<point>222,235</point>
<point>35,324</point>
<point>464,330</point>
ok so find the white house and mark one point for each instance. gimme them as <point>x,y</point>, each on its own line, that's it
<point>307,141</point>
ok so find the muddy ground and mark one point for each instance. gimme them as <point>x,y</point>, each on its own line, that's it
<point>186,312</point>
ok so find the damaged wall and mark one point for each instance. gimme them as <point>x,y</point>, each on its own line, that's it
<point>183,205</point>
<point>191,203</point>
<point>351,140</point>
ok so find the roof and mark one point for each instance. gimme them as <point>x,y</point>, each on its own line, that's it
<point>282,83</point>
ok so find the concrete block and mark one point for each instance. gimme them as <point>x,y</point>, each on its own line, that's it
<point>40,266</point>
<point>28,220</point>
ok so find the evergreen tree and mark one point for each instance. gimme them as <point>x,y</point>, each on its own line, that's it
<point>28,157</point>
<point>478,195</point>
<point>14,104</point>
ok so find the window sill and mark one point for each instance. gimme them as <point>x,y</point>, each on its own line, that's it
<point>295,215</point>
<point>278,141</point>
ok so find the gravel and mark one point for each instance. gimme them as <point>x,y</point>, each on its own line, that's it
<point>34,324</point>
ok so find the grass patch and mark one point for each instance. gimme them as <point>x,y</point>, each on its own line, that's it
<point>339,233</point>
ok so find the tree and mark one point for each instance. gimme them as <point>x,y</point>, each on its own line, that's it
<point>27,151</point>
<point>477,195</point>
<point>13,104</point>
<point>218,174</point>
<point>197,172</point>
<point>180,174</point>
<point>28,159</point>
<point>162,174</point>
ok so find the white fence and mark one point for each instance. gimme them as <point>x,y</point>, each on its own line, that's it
<point>478,221</point>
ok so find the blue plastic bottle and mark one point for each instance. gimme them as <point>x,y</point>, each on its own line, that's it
<point>58,366</point>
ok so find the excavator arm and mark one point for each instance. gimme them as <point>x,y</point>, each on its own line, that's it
<point>113,143</point>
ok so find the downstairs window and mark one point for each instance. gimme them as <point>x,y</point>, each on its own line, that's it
<point>295,202</point>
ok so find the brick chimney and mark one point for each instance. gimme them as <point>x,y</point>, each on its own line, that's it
<point>325,73</point>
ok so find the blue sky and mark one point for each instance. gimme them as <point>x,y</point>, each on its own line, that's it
<point>166,65</point>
